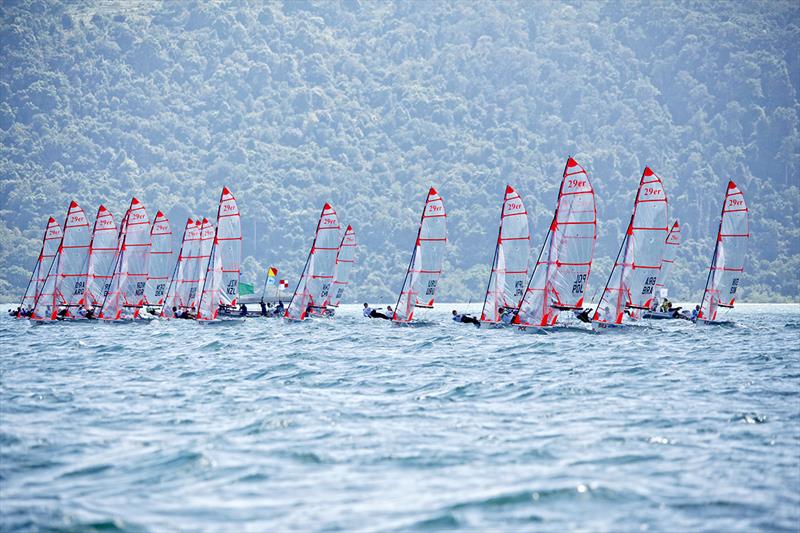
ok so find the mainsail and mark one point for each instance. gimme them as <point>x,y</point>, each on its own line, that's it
<point>633,277</point>
<point>422,276</point>
<point>66,278</point>
<point>668,259</point>
<point>50,243</point>
<point>102,253</point>
<point>510,265</point>
<point>221,280</point>
<point>727,264</point>
<point>317,279</point>
<point>561,272</point>
<point>177,291</point>
<point>126,294</point>
<point>160,261</point>
<point>344,265</point>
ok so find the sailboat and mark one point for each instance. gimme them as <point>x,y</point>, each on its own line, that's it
<point>345,258</point>
<point>158,272</point>
<point>50,243</point>
<point>510,264</point>
<point>102,253</point>
<point>125,297</point>
<point>318,274</point>
<point>727,263</point>
<point>220,286</point>
<point>559,279</point>
<point>178,289</point>
<point>425,267</point>
<point>64,287</point>
<point>631,283</point>
<point>667,260</point>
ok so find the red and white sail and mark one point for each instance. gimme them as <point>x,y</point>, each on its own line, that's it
<point>425,267</point>
<point>671,246</point>
<point>510,265</point>
<point>316,282</point>
<point>66,280</point>
<point>221,281</point>
<point>160,266</point>
<point>125,297</point>
<point>561,272</point>
<point>50,242</point>
<point>102,255</point>
<point>178,289</point>
<point>632,282</point>
<point>727,264</point>
<point>345,259</point>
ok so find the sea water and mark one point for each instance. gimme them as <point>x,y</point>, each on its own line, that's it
<point>358,425</point>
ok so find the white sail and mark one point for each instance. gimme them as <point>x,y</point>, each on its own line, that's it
<point>159,268</point>
<point>344,265</point>
<point>66,279</point>
<point>561,272</point>
<point>727,264</point>
<point>221,281</point>
<point>668,259</point>
<point>316,281</point>
<point>631,284</point>
<point>510,265</point>
<point>422,276</point>
<point>102,255</point>
<point>125,298</point>
<point>50,242</point>
<point>177,291</point>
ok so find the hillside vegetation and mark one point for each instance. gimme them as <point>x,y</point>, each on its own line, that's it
<point>367,104</point>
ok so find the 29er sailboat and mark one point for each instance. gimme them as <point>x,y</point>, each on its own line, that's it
<point>561,273</point>
<point>422,276</point>
<point>631,284</point>
<point>727,263</point>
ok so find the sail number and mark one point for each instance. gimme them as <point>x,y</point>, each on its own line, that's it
<point>648,285</point>
<point>518,288</point>
<point>160,289</point>
<point>577,285</point>
<point>325,289</point>
<point>139,288</point>
<point>734,285</point>
<point>80,286</point>
<point>231,288</point>
<point>431,289</point>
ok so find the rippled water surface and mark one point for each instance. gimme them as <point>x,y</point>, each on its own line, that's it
<point>353,424</point>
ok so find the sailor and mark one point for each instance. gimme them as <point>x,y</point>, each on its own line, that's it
<point>666,305</point>
<point>16,312</point>
<point>278,309</point>
<point>507,314</point>
<point>263,308</point>
<point>583,315</point>
<point>372,313</point>
<point>466,319</point>
<point>654,304</point>
<point>242,310</point>
<point>695,313</point>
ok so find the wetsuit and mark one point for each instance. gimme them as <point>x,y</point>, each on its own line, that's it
<point>466,319</point>
<point>372,313</point>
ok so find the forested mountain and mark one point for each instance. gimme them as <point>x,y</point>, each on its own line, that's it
<point>367,104</point>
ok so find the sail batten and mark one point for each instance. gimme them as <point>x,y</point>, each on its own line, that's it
<point>727,262</point>
<point>425,266</point>
<point>509,272</point>
<point>316,281</point>
<point>561,272</point>
<point>632,281</point>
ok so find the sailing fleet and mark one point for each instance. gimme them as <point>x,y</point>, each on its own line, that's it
<point>127,272</point>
